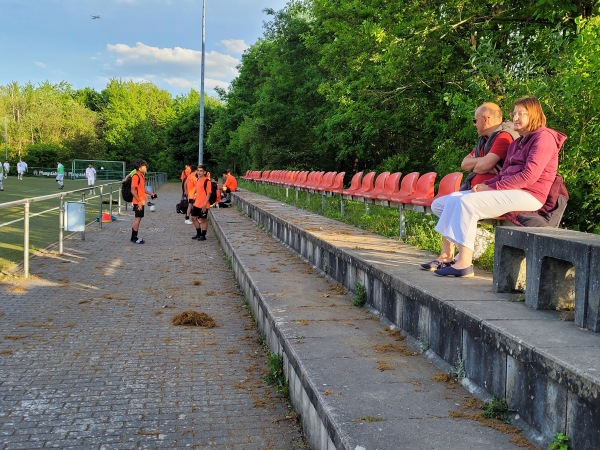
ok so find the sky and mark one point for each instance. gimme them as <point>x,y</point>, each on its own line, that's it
<point>159,41</point>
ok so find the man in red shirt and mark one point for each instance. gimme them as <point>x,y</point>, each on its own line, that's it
<point>139,191</point>
<point>486,159</point>
<point>484,162</point>
<point>200,208</point>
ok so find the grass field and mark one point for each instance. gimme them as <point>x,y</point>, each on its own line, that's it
<point>43,228</point>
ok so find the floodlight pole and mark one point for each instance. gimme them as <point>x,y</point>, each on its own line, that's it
<point>201,138</point>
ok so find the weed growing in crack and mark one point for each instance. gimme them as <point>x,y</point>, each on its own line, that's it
<point>497,409</point>
<point>275,375</point>
<point>360,295</point>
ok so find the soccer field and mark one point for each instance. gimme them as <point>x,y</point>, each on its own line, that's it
<point>43,228</point>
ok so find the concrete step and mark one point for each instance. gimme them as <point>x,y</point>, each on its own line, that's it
<point>356,382</point>
<point>545,366</point>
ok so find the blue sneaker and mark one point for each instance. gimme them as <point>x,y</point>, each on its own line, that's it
<point>452,272</point>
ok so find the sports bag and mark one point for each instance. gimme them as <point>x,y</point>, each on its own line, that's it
<point>182,206</point>
<point>126,189</point>
<point>212,198</point>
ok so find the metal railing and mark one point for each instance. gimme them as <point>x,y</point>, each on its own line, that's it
<point>105,191</point>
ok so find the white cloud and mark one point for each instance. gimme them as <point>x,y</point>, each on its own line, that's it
<point>237,46</point>
<point>143,54</point>
<point>41,64</point>
<point>178,68</point>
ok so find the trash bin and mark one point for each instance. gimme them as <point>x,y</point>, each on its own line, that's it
<point>74,216</point>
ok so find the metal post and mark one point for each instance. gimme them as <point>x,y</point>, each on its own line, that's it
<point>26,240</point>
<point>84,218</point>
<point>100,208</point>
<point>61,224</point>
<point>402,222</point>
<point>110,202</point>
<point>201,138</point>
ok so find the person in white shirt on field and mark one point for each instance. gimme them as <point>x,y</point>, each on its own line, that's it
<point>21,169</point>
<point>6,168</point>
<point>90,174</point>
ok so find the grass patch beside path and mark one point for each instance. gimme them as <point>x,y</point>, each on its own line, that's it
<point>43,229</point>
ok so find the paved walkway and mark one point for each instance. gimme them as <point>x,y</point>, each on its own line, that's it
<point>89,357</point>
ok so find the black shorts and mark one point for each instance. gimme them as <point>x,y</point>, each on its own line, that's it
<point>139,212</point>
<point>197,212</point>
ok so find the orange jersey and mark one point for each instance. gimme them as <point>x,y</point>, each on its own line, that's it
<point>138,185</point>
<point>186,172</point>
<point>190,186</point>
<point>231,183</point>
<point>201,194</point>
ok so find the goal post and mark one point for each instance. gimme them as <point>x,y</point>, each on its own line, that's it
<point>105,170</point>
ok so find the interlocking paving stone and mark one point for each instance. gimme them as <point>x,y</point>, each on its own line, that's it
<point>89,357</point>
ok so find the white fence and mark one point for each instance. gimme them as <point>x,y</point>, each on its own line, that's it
<point>105,193</point>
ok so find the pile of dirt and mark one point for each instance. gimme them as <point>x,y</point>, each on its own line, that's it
<point>194,319</point>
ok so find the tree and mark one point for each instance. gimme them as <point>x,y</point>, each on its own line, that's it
<point>135,118</point>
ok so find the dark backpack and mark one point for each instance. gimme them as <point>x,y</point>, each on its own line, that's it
<point>212,198</point>
<point>182,206</point>
<point>548,215</point>
<point>126,189</point>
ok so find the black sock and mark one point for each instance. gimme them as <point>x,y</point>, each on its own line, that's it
<point>198,232</point>
<point>133,234</point>
<point>203,233</point>
<point>187,217</point>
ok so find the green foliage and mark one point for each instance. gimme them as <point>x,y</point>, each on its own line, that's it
<point>496,409</point>
<point>560,442</point>
<point>134,124</point>
<point>275,375</point>
<point>43,155</point>
<point>399,83</point>
<point>360,295</point>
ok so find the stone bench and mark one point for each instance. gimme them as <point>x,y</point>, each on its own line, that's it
<point>556,267</point>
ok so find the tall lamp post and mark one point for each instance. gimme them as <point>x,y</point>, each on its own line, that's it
<point>201,139</point>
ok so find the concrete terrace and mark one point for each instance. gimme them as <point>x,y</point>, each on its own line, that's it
<point>544,366</point>
<point>89,358</point>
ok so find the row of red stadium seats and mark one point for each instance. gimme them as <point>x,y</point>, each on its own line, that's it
<point>385,189</point>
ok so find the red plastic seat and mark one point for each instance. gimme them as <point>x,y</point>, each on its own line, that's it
<point>407,187</point>
<point>378,189</point>
<point>310,179</point>
<point>423,189</point>
<point>449,184</point>
<point>315,181</point>
<point>392,186</point>
<point>289,178</point>
<point>300,179</point>
<point>337,183</point>
<point>325,181</point>
<point>354,184</point>
<point>366,185</point>
<point>265,176</point>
